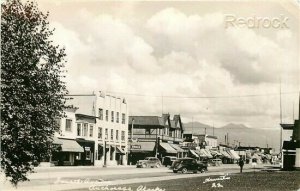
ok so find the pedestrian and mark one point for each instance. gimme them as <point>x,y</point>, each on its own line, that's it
<point>241,164</point>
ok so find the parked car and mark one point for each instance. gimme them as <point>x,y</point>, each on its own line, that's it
<point>148,162</point>
<point>188,164</point>
<point>168,160</point>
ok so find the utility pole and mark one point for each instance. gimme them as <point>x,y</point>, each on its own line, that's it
<point>104,165</point>
<point>213,129</point>
<point>162,104</point>
<point>280,148</point>
<point>132,122</point>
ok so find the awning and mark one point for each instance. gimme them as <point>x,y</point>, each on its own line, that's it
<point>201,153</point>
<point>177,148</point>
<point>70,146</point>
<point>194,153</point>
<point>142,147</point>
<point>234,154</point>
<point>120,151</point>
<point>225,154</point>
<point>56,141</point>
<point>167,147</point>
<point>208,153</point>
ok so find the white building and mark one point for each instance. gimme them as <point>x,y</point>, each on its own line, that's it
<point>99,124</point>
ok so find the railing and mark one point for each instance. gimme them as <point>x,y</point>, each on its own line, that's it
<point>153,137</point>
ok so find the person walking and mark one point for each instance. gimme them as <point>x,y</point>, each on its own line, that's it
<point>241,164</point>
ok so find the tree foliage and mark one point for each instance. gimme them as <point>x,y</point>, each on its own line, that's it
<point>32,88</point>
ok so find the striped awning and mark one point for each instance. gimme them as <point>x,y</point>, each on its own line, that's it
<point>168,148</point>
<point>194,153</point>
<point>177,148</point>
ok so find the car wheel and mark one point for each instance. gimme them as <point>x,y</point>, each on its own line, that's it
<point>184,170</point>
<point>175,171</point>
<point>144,165</point>
<point>157,165</point>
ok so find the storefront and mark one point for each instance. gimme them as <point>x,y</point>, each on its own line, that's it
<point>87,157</point>
<point>139,151</point>
<point>67,153</point>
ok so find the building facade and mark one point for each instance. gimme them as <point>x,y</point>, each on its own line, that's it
<point>154,136</point>
<point>94,132</point>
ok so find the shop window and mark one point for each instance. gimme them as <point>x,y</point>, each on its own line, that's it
<point>88,155</point>
<point>68,124</point>
<point>147,131</point>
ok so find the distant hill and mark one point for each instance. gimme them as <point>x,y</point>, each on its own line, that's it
<point>238,133</point>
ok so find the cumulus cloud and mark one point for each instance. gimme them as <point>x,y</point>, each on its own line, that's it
<point>187,55</point>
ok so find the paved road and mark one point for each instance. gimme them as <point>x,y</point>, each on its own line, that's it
<point>68,178</point>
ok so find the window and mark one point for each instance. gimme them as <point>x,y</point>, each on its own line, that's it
<point>78,129</point>
<point>91,130</point>
<point>166,131</point>
<point>123,118</point>
<point>99,133</point>
<point>106,133</point>
<point>123,136</point>
<point>100,114</point>
<point>85,129</point>
<point>117,118</point>
<point>112,116</point>
<point>106,115</point>
<point>117,135</point>
<point>68,124</point>
<point>111,134</point>
<point>147,131</point>
<point>88,155</point>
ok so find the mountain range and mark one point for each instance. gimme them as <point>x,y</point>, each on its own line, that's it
<point>238,134</point>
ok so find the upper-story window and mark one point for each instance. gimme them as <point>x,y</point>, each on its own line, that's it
<point>117,135</point>
<point>112,116</point>
<point>78,129</point>
<point>85,129</point>
<point>117,117</point>
<point>123,118</point>
<point>123,136</point>
<point>147,131</point>
<point>106,133</point>
<point>99,133</point>
<point>111,134</point>
<point>100,115</point>
<point>106,115</point>
<point>91,130</point>
<point>68,124</point>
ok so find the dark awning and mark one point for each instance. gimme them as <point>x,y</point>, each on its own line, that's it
<point>167,147</point>
<point>142,147</point>
<point>70,146</point>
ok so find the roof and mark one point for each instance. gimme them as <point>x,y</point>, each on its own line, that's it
<point>146,120</point>
<point>84,103</point>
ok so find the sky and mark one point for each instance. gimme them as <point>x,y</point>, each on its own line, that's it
<point>180,58</point>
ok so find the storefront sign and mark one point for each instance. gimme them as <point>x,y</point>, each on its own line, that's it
<point>135,146</point>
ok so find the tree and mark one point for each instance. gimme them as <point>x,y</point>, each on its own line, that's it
<point>32,88</point>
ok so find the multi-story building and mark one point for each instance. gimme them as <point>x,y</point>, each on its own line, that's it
<point>95,131</point>
<point>154,136</point>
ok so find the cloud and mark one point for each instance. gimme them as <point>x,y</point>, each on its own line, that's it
<point>174,53</point>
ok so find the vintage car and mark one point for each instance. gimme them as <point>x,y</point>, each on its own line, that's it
<point>188,164</point>
<point>149,162</point>
<point>168,160</point>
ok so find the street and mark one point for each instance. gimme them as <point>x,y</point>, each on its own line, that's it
<point>83,178</point>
